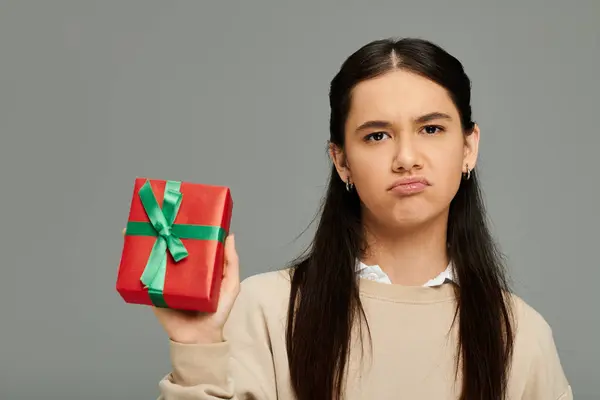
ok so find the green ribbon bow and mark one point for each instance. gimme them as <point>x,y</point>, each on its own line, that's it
<point>168,236</point>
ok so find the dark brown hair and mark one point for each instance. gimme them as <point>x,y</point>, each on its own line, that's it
<point>324,303</point>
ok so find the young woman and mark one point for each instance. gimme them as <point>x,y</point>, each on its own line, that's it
<point>402,294</point>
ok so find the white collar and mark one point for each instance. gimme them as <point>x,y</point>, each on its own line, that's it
<point>375,273</point>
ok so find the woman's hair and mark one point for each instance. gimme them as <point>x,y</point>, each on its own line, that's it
<point>324,302</point>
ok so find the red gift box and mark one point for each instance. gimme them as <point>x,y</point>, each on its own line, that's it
<point>174,242</point>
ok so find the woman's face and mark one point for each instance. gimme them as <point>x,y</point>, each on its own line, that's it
<point>405,149</point>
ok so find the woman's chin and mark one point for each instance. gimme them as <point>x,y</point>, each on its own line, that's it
<point>411,219</point>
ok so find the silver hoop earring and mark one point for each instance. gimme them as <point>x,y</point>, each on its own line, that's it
<point>468,174</point>
<point>349,185</point>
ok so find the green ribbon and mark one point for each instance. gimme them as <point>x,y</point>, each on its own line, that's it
<point>168,236</point>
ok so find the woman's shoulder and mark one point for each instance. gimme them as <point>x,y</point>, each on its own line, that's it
<point>534,344</point>
<point>266,288</point>
<point>536,362</point>
<point>275,280</point>
<point>529,322</point>
<point>262,300</point>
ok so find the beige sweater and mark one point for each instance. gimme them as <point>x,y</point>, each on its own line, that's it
<point>414,363</point>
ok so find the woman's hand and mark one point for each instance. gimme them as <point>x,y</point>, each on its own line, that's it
<point>190,327</point>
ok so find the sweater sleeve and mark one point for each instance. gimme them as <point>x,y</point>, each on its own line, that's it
<point>240,368</point>
<point>546,379</point>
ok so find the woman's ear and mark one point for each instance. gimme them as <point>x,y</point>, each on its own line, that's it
<point>471,148</point>
<point>338,157</point>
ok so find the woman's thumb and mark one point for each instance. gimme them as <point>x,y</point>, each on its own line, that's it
<point>231,270</point>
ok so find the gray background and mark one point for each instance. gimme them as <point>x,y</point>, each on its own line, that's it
<point>93,94</point>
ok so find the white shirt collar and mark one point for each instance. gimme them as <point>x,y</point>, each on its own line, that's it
<point>375,273</point>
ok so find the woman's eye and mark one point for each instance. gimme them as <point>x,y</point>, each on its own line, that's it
<point>432,129</point>
<point>377,136</point>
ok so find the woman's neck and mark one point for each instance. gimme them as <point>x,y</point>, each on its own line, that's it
<point>409,257</point>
